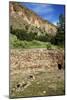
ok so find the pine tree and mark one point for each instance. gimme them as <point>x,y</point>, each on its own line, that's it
<point>60,36</point>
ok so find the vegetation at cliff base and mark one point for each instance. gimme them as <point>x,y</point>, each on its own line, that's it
<point>20,38</point>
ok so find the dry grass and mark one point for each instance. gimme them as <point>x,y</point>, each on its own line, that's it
<point>29,75</point>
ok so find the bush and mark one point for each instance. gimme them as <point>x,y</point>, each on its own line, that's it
<point>16,43</point>
<point>49,46</point>
<point>22,34</point>
<point>60,36</point>
<point>44,38</point>
<point>58,39</point>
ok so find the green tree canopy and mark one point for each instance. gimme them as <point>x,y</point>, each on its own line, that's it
<point>60,36</point>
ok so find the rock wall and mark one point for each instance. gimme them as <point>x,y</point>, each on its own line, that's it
<point>36,59</point>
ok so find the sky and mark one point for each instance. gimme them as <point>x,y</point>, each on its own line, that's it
<point>49,12</point>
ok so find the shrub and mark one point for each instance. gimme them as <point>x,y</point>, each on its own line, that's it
<point>44,38</point>
<point>49,46</point>
<point>22,34</point>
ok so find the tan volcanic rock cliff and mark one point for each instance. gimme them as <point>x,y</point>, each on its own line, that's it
<point>20,16</point>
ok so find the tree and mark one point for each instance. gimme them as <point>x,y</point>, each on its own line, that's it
<point>60,36</point>
<point>61,23</point>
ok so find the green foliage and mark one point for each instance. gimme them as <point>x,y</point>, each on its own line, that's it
<point>60,36</point>
<point>24,35</point>
<point>61,23</point>
<point>61,30</point>
<point>49,46</point>
<point>44,38</point>
<point>16,43</point>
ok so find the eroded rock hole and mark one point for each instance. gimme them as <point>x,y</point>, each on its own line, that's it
<point>59,66</point>
<point>18,85</point>
<point>30,76</point>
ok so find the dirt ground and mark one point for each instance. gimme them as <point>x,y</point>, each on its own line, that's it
<point>35,73</point>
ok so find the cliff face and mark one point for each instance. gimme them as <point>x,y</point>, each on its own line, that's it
<point>23,18</point>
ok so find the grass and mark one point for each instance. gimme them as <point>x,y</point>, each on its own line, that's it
<point>45,84</point>
<point>16,43</point>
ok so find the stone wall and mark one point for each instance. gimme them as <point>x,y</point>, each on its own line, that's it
<point>36,59</point>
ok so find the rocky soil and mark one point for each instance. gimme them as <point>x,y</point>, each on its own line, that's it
<point>38,70</point>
